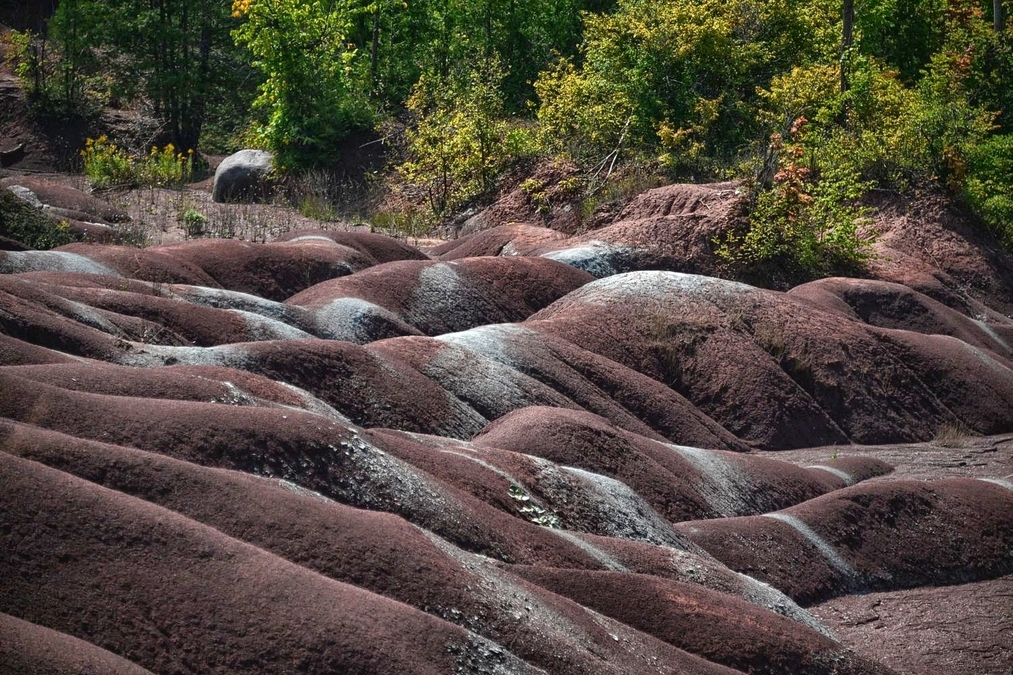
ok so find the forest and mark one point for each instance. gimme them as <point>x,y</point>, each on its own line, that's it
<point>810,104</point>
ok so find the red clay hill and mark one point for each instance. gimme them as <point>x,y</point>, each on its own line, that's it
<point>526,451</point>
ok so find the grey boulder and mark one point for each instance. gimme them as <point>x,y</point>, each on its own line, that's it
<point>243,177</point>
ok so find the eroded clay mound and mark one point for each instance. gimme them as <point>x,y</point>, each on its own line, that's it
<point>90,320</point>
<point>915,630</point>
<point>435,297</point>
<point>873,536</point>
<point>516,469</point>
<point>500,368</point>
<point>376,551</point>
<point>98,584</point>
<point>273,271</point>
<point>927,244</point>
<point>67,199</point>
<point>889,305</point>
<point>681,482</point>
<point>690,358</point>
<point>781,371</point>
<point>672,227</point>
<point>376,246</point>
<point>923,242</point>
<point>28,648</point>
<point>704,622</point>
<point>506,240</point>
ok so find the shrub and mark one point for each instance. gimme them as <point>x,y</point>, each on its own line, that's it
<point>107,165</point>
<point>194,223</point>
<point>461,141</point>
<point>165,167</point>
<point>988,187</point>
<point>313,93</point>
<point>25,55</point>
<point>682,72</point>
<point>24,223</point>
<point>801,228</point>
<point>402,221</point>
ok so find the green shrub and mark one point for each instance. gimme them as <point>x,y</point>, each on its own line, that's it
<point>165,167</point>
<point>402,221</point>
<point>682,73</point>
<point>315,84</point>
<point>871,130</point>
<point>22,222</point>
<point>801,228</point>
<point>194,223</point>
<point>988,187</point>
<point>461,141</point>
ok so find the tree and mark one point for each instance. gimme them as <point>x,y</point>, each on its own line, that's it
<point>315,87</point>
<point>461,141</point>
<point>158,49</point>
<point>681,71</point>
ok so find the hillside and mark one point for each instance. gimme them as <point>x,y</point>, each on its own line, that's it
<point>521,452</point>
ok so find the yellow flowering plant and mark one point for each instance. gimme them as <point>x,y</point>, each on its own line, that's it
<point>109,166</point>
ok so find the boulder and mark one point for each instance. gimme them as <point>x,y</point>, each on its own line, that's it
<point>26,195</point>
<point>243,177</point>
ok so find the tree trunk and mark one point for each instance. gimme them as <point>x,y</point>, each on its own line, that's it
<point>374,51</point>
<point>849,23</point>
<point>997,15</point>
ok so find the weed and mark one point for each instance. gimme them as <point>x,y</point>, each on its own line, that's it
<point>616,189</point>
<point>22,222</point>
<point>769,336</point>
<point>535,190</point>
<point>402,222</point>
<point>193,222</point>
<point>132,233</point>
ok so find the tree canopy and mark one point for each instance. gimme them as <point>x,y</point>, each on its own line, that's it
<point>893,93</point>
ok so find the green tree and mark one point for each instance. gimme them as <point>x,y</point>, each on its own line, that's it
<point>902,33</point>
<point>160,50</point>
<point>315,84</point>
<point>678,71</point>
<point>803,227</point>
<point>461,141</point>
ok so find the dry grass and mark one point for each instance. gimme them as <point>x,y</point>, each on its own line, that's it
<point>953,436</point>
<point>162,216</point>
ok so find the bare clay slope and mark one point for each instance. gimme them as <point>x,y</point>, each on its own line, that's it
<point>331,454</point>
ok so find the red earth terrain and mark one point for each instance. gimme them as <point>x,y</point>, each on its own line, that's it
<point>527,450</point>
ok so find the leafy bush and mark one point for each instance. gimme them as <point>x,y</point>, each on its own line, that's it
<point>194,223</point>
<point>682,72</point>
<point>988,186</point>
<point>405,220</point>
<point>461,141</point>
<point>22,222</point>
<point>24,54</point>
<point>801,228</point>
<point>582,114</point>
